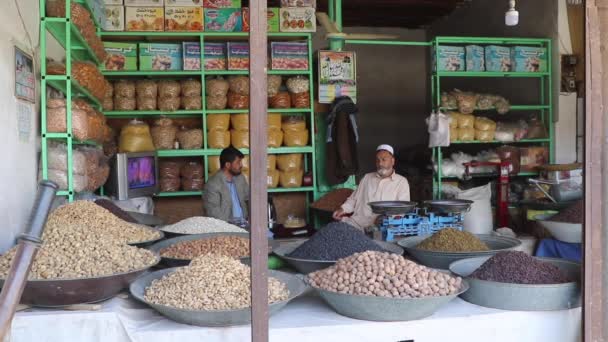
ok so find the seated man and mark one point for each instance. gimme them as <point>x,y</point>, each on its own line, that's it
<point>226,193</point>
<point>382,185</point>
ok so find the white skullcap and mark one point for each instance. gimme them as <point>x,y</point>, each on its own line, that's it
<point>385,147</point>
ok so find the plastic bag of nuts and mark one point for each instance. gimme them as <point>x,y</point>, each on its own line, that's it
<point>88,76</point>
<point>298,84</point>
<point>55,68</point>
<point>274,84</point>
<point>192,102</point>
<point>216,87</point>
<point>191,88</point>
<point>280,100</point>
<point>124,103</point>
<point>239,84</point>
<point>146,103</point>
<point>236,101</point>
<point>108,104</point>
<point>169,103</point>
<point>168,88</point>
<point>124,88</point>
<point>193,184</point>
<point>216,102</point>
<point>218,122</point>
<point>300,100</point>
<point>109,89</point>
<point>192,170</point>
<point>146,89</point>
<point>163,134</point>
<point>293,123</point>
<point>239,139</point>
<point>218,139</point>
<point>169,184</point>
<point>168,169</point>
<point>190,139</point>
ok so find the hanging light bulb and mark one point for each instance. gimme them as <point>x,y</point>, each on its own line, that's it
<point>512,15</point>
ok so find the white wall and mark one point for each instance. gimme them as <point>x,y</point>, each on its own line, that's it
<point>18,163</point>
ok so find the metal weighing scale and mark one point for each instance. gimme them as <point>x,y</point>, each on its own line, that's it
<point>399,218</point>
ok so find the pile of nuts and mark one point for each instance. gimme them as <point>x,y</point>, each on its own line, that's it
<point>384,275</point>
<point>227,245</point>
<point>202,224</point>
<point>97,220</point>
<point>72,251</point>
<point>210,282</point>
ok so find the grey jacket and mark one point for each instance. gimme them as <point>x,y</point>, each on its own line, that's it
<point>216,196</point>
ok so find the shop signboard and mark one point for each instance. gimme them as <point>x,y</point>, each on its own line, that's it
<point>337,75</point>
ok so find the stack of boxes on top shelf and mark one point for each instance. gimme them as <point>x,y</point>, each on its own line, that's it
<point>198,15</point>
<point>492,58</point>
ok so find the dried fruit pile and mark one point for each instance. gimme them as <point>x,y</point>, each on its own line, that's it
<point>519,268</point>
<point>453,240</point>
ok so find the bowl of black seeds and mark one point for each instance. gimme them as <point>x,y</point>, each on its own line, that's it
<point>335,241</point>
<point>513,280</point>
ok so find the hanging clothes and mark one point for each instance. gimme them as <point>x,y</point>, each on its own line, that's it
<point>342,140</point>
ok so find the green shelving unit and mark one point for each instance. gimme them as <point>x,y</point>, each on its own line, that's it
<point>204,153</point>
<point>544,107</point>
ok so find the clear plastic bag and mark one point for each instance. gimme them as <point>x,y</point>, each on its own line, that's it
<point>56,122</point>
<point>236,101</point>
<point>57,159</point>
<point>484,124</point>
<point>439,130</point>
<point>55,68</point>
<point>89,77</point>
<point>466,121</point>
<point>274,121</point>
<point>60,178</point>
<point>291,179</point>
<point>280,100</point>
<point>193,184</point>
<point>124,103</point>
<point>192,102</point>
<point>191,88</point>
<point>298,84</point>
<point>466,102</point>
<point>290,162</point>
<point>169,104</point>
<point>448,100</point>
<point>169,184</point>
<point>293,123</point>
<point>218,122</point>
<point>300,100</point>
<point>192,170</point>
<point>484,135</point>
<point>146,103</point>
<point>240,122</point>
<point>164,134</point>
<point>453,134</point>
<point>216,102</point>
<point>466,134</point>
<point>239,84</point>
<point>213,165</point>
<point>293,138</point>
<point>124,88</point>
<point>146,89</point>
<point>108,104</point>
<point>453,117</point>
<point>168,88</point>
<point>190,139</point>
<point>216,87</point>
<point>239,139</point>
<point>135,137</point>
<point>169,169</point>
<point>218,139</point>
<point>505,130</point>
<point>275,138</point>
<point>109,89</point>
<point>502,106</point>
<point>536,129</point>
<point>274,84</point>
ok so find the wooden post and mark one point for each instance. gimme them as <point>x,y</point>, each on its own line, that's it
<point>596,158</point>
<point>258,136</point>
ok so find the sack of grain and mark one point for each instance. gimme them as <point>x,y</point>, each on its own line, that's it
<point>290,162</point>
<point>218,122</point>
<point>240,122</point>
<point>239,139</point>
<point>135,137</point>
<point>275,138</point>
<point>291,179</point>
<point>293,138</point>
<point>218,139</point>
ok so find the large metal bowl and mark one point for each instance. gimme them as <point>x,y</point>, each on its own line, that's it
<point>219,318</point>
<point>521,297</point>
<point>392,207</point>
<point>146,219</point>
<point>443,260</point>
<point>448,206</point>
<point>564,231</point>
<point>65,292</point>
<point>143,244</point>
<point>176,262</point>
<point>306,266</point>
<point>372,308</point>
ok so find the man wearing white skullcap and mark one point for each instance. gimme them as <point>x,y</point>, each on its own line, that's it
<point>382,185</point>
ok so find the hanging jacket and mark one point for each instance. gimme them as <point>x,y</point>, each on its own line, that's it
<point>342,140</point>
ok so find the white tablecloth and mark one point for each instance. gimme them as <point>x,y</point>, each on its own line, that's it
<point>305,319</point>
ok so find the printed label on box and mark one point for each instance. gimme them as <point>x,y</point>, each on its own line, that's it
<point>448,58</point>
<point>222,3</point>
<point>529,59</point>
<point>223,20</point>
<point>475,58</point>
<point>120,56</point>
<point>160,56</point>
<point>300,19</point>
<point>289,55</point>
<point>149,3</point>
<point>238,56</point>
<point>215,56</point>
<point>192,55</point>
<point>145,18</point>
<point>190,3</point>
<point>498,58</point>
<point>114,18</point>
<point>298,3</point>
<point>273,19</point>
<point>183,18</point>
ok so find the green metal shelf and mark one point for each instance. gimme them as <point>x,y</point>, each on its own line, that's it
<point>288,72</point>
<point>492,40</point>
<point>198,34</point>
<point>512,108</point>
<point>179,194</point>
<point>226,72</point>
<point>302,189</point>
<point>522,141</point>
<point>271,150</point>
<point>141,113</point>
<point>62,193</point>
<point>78,45</point>
<point>491,74</point>
<point>181,153</point>
<point>227,111</point>
<point>59,82</point>
<point>290,110</point>
<point>152,73</point>
<point>487,175</point>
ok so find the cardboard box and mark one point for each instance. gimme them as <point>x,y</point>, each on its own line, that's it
<point>189,3</point>
<point>183,18</point>
<point>448,58</point>
<point>273,19</point>
<point>533,157</point>
<point>155,56</point>
<point>298,3</point>
<point>529,59</point>
<point>223,20</point>
<point>215,56</point>
<point>238,56</point>
<point>120,56</point>
<point>192,55</point>
<point>114,18</point>
<point>148,3</point>
<point>113,2</point>
<point>222,3</point>
<point>298,19</point>
<point>144,18</point>
<point>498,58</point>
<point>475,58</point>
<point>289,56</point>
